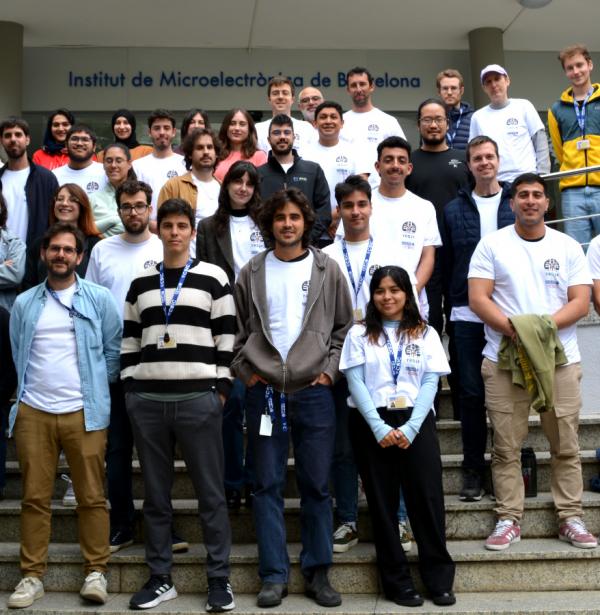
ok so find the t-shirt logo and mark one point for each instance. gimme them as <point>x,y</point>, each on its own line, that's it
<point>551,275</point>
<point>373,269</point>
<point>150,263</point>
<point>552,264</point>
<point>373,128</point>
<point>409,227</point>
<point>412,352</point>
<point>454,163</point>
<point>92,187</point>
<point>512,121</point>
<point>172,173</point>
<point>299,178</point>
<point>305,286</point>
<point>341,158</point>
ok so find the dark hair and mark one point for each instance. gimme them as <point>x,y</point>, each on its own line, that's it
<point>326,104</point>
<point>351,184</point>
<point>480,140</point>
<point>359,70</point>
<point>85,221</point>
<point>15,122</point>
<point>178,207</point>
<point>64,227</point>
<point>281,119</point>
<point>432,101</point>
<point>527,178</point>
<point>236,171</point>
<point>391,143</point>
<point>277,201</point>
<point>50,144</point>
<point>159,114</point>
<point>131,140</point>
<point>190,142</point>
<point>3,211</point>
<point>248,146</point>
<point>121,145</point>
<point>280,81</point>
<point>411,322</point>
<point>187,120</point>
<point>81,128</point>
<point>131,187</point>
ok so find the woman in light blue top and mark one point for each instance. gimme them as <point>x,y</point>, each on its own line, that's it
<point>393,361</point>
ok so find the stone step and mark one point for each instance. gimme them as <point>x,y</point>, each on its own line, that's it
<point>471,603</point>
<point>449,434</point>
<point>543,564</point>
<point>464,520</point>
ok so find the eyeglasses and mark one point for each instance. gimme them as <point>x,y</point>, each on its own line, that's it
<point>127,209</point>
<point>428,121</point>
<point>68,250</point>
<point>308,99</point>
<point>74,139</point>
<point>287,132</point>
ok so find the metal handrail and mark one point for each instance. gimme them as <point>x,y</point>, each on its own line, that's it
<point>561,174</point>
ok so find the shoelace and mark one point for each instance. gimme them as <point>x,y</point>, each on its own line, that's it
<point>342,530</point>
<point>576,526</point>
<point>501,527</point>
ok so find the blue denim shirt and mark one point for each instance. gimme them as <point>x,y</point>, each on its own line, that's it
<point>97,336</point>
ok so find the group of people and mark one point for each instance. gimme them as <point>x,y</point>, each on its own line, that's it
<point>295,276</point>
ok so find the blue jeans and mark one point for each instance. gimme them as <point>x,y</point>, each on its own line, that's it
<point>470,341</point>
<point>311,421</point>
<point>582,201</point>
<point>343,471</point>
<point>237,473</point>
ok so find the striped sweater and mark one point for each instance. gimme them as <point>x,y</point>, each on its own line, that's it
<point>202,325</point>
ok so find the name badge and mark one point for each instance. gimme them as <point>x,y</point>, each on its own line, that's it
<point>266,426</point>
<point>583,144</point>
<point>358,314</point>
<point>166,342</point>
<point>396,402</point>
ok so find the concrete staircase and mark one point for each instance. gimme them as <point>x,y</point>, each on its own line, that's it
<point>538,575</point>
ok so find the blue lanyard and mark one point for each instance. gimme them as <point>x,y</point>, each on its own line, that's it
<point>163,294</point>
<point>72,311</point>
<point>451,137</point>
<point>271,407</point>
<point>363,271</point>
<point>395,362</point>
<point>580,111</point>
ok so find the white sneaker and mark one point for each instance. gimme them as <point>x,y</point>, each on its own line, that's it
<point>94,588</point>
<point>69,498</point>
<point>405,536</point>
<point>26,592</point>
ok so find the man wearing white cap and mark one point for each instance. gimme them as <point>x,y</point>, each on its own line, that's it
<point>515,126</point>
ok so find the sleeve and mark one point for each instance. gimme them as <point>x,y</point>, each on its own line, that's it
<point>11,275</point>
<point>396,129</point>
<point>92,273</point>
<point>8,376</point>
<point>555,135</point>
<point>222,318</point>
<point>593,258</point>
<point>31,277</point>
<point>432,232</point>
<point>542,151</point>
<point>448,260</point>
<point>321,203</point>
<point>342,321</point>
<point>578,268</point>
<point>168,191</point>
<point>423,404</point>
<point>201,251</point>
<point>482,262</point>
<point>353,350</point>
<point>474,130</point>
<point>364,403</point>
<point>240,366</point>
<point>107,220</point>
<point>532,118</point>
<point>111,336</point>
<point>131,344</point>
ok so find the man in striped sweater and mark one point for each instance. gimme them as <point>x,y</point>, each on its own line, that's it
<point>175,355</point>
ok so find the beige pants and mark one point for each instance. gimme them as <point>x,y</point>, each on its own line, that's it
<point>508,409</point>
<point>39,437</point>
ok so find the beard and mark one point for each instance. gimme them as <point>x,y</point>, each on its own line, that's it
<point>435,140</point>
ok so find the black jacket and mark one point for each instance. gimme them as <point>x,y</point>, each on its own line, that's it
<point>213,248</point>
<point>40,187</point>
<point>461,232</point>
<point>305,175</point>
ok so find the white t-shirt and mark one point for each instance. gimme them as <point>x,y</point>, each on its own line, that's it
<point>287,293</point>
<point>303,135</point>
<point>13,190</point>
<point>366,130</point>
<point>114,263</point>
<point>338,162</point>
<point>90,179</point>
<point>512,127</point>
<point>421,355</point>
<point>381,254</point>
<point>246,241</point>
<point>530,277</point>
<point>157,171</point>
<point>593,257</point>
<point>207,202</point>
<point>488,218</point>
<point>52,381</point>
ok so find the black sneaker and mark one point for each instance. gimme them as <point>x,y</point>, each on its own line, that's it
<point>159,588</point>
<point>472,489</point>
<point>179,544</point>
<point>233,498</point>
<point>120,539</point>
<point>220,596</point>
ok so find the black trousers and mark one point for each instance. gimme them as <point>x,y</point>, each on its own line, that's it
<point>418,470</point>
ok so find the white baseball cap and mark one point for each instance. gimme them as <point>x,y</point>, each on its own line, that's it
<point>492,68</point>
